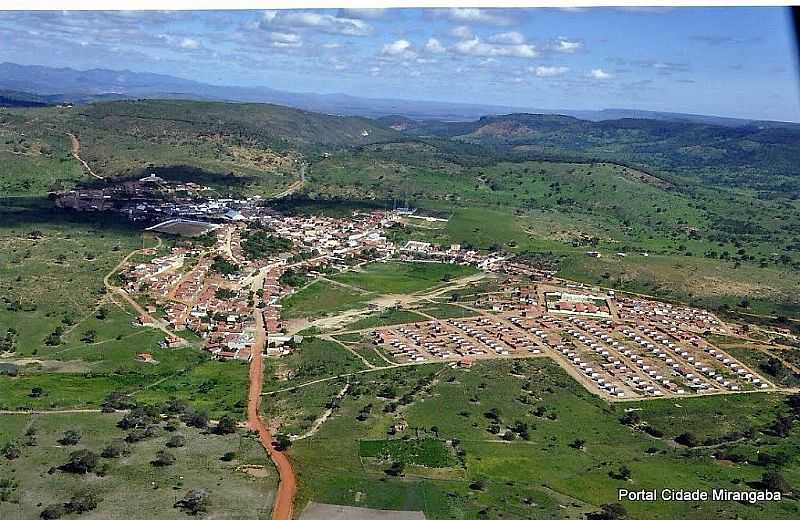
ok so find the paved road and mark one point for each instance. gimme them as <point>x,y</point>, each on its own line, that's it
<point>287,487</point>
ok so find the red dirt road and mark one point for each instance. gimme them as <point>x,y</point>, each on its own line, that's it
<point>287,487</point>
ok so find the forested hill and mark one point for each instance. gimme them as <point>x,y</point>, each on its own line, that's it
<point>763,157</point>
<point>251,121</point>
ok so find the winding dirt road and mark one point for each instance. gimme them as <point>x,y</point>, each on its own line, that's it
<point>76,153</point>
<point>287,487</point>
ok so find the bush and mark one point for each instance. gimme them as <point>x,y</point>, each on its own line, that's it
<point>70,438</point>
<point>163,458</point>
<point>228,456</point>
<point>115,450</point>
<point>81,462</point>
<point>196,419</point>
<point>176,441</point>
<point>225,426</point>
<point>687,439</point>
<point>82,502</point>
<point>11,451</point>
<point>609,512</point>
<point>52,512</point>
<point>194,502</point>
<point>775,481</point>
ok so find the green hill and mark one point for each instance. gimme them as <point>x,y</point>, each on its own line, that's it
<point>763,158</point>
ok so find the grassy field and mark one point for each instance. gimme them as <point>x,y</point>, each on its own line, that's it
<point>132,479</point>
<point>538,473</point>
<point>402,278</point>
<point>700,281</point>
<point>320,298</point>
<point>446,311</point>
<point>386,318</point>
<point>768,366</point>
<point>52,267</point>
<point>313,359</point>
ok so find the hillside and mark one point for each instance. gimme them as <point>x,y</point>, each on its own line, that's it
<point>521,182</point>
<point>753,156</point>
<point>260,145</point>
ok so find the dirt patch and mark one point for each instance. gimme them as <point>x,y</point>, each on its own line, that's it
<point>254,471</point>
<point>315,511</point>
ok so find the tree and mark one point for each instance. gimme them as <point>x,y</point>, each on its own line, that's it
<point>116,449</point>
<point>282,442</point>
<point>228,456</point>
<point>578,444</point>
<point>196,419</point>
<point>687,439</point>
<point>70,438</point>
<point>7,488</point>
<point>194,502</point>
<point>11,451</point>
<point>176,441</point>
<point>397,469</point>
<point>478,485</point>
<point>225,426</point>
<point>52,512</point>
<point>81,462</point>
<point>631,419</point>
<point>775,481</point>
<point>36,392</point>
<point>623,473</point>
<point>163,458</point>
<point>609,512</point>
<point>82,502</point>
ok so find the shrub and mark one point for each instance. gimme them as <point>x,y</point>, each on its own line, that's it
<point>163,458</point>
<point>70,438</point>
<point>81,462</point>
<point>176,441</point>
<point>194,502</point>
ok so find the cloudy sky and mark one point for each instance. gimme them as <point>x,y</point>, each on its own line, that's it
<point>722,61</point>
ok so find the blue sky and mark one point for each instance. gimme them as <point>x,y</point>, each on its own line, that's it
<point>724,61</point>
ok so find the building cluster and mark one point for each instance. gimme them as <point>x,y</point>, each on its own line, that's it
<point>649,349</point>
<point>153,198</point>
<point>699,320</point>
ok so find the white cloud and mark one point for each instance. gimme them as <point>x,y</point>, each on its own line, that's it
<point>568,46</point>
<point>550,72</point>
<point>283,40</point>
<point>476,47</point>
<point>434,46</point>
<point>316,21</point>
<point>508,38</point>
<point>474,15</point>
<point>599,74</point>
<point>363,13</point>
<point>401,48</point>
<point>462,31</point>
<point>189,43</point>
<point>331,45</point>
<point>179,42</point>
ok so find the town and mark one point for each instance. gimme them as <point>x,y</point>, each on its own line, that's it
<point>227,288</point>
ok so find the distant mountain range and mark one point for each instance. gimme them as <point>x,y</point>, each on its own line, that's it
<point>33,85</point>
